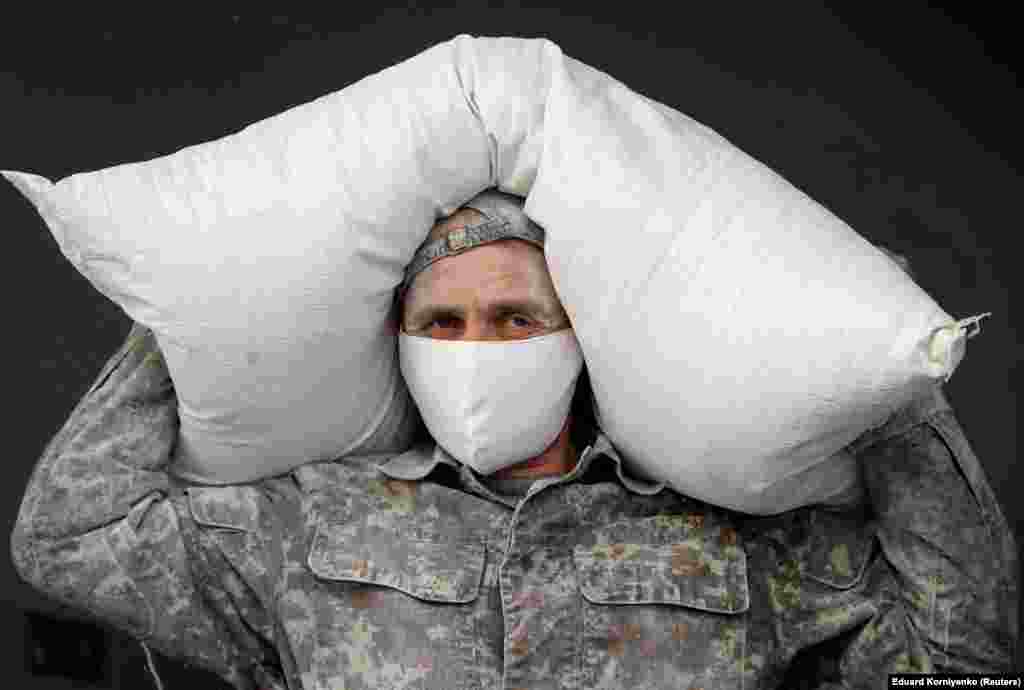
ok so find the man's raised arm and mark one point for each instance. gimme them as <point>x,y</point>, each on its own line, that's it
<point>102,530</point>
<point>952,588</point>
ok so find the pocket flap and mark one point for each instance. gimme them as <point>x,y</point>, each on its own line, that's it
<point>439,570</point>
<point>233,507</point>
<point>699,571</point>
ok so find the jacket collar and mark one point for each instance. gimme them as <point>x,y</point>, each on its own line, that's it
<point>418,462</point>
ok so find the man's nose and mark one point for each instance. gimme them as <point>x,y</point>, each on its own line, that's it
<point>480,329</point>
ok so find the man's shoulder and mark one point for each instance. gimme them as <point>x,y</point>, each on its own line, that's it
<point>830,545</point>
<point>246,507</point>
<point>350,469</point>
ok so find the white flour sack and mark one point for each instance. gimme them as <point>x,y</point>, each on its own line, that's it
<point>738,336</point>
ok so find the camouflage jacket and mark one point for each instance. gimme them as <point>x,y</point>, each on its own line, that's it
<point>407,572</point>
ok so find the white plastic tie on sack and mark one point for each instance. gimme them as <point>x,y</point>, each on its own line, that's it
<point>947,345</point>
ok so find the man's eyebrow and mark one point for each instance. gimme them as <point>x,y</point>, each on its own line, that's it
<point>429,312</point>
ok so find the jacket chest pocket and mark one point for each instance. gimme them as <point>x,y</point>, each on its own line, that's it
<point>662,612</point>
<point>391,611</point>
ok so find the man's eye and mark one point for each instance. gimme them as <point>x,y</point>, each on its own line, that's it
<point>443,322</point>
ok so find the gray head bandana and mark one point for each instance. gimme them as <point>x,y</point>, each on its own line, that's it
<point>503,219</point>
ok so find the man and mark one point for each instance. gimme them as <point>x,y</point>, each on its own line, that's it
<point>509,559</point>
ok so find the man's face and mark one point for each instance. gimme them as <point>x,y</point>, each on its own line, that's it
<point>497,291</point>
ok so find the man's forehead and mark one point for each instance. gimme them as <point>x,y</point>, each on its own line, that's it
<point>509,262</point>
<point>487,276</point>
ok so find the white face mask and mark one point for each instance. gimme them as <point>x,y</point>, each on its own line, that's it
<point>492,404</point>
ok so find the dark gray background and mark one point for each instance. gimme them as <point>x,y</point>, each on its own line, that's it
<point>903,124</point>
